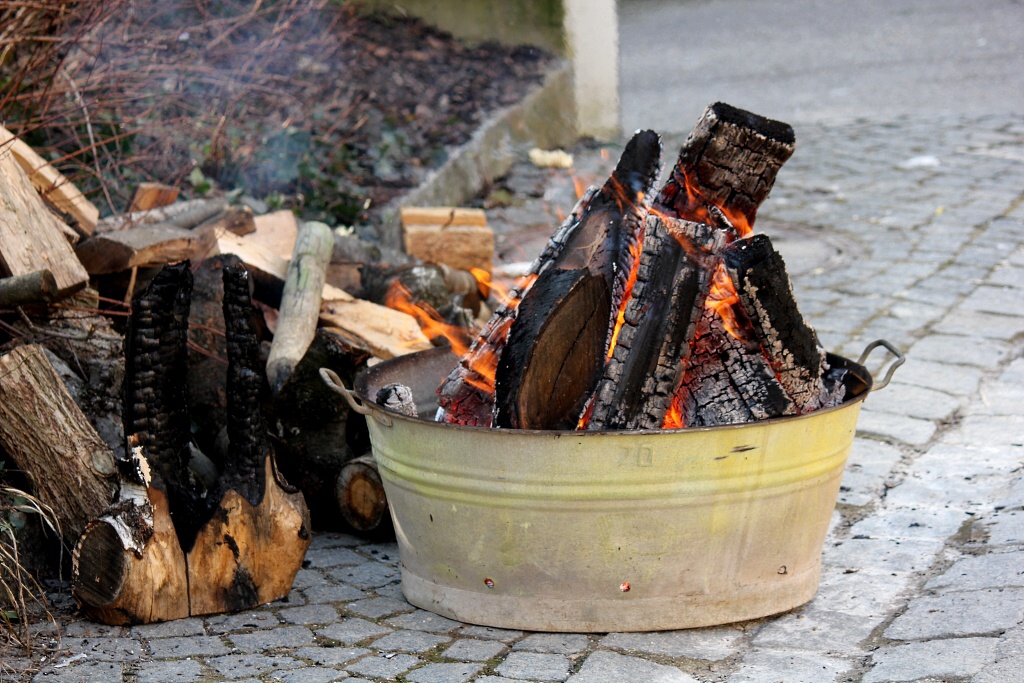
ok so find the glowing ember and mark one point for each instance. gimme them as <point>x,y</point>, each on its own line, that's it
<point>696,210</point>
<point>723,300</point>
<point>674,416</point>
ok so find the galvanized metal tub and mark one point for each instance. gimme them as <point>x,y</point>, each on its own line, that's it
<point>607,531</point>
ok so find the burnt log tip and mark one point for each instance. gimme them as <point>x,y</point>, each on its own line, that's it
<point>773,130</point>
<point>640,164</point>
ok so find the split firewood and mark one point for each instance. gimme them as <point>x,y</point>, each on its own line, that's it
<point>563,328</point>
<point>276,232</point>
<point>56,190</point>
<point>149,245</point>
<point>239,220</point>
<point>48,437</point>
<point>31,237</point>
<point>457,237</point>
<point>300,303</point>
<point>38,287</point>
<point>168,548</point>
<point>152,196</point>
<point>186,214</point>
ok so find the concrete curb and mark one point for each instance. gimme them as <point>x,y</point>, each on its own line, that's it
<point>544,118</point>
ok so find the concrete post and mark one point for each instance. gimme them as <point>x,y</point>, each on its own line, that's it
<point>592,45</point>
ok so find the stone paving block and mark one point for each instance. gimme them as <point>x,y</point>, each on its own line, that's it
<point>352,630</point>
<point>91,671</point>
<point>959,657</point>
<point>473,650</point>
<point>170,671</point>
<point>410,641</point>
<point>193,646</point>
<point>881,554</point>
<point>443,673</point>
<point>995,299</point>
<point>382,552</point>
<point>959,614</point>
<point>375,608</point>
<point>190,626</point>
<point>310,674</point>
<point>241,666</point>
<point>535,666</point>
<point>1002,398</point>
<point>919,522</point>
<point>983,430</point>
<point>387,666</point>
<point>860,593</point>
<point>491,633</point>
<point>304,578</point>
<point>282,636</point>
<point>331,656</point>
<point>604,667</point>
<point>392,590</point>
<point>327,592</point>
<point>867,469</point>
<point>117,649</point>
<point>992,570</point>
<point>558,643</point>
<point>816,630</point>
<point>958,380</point>
<point>910,430</point>
<point>92,629</point>
<point>1009,664</point>
<point>226,623</point>
<point>1001,326</point>
<point>961,350</point>
<point>295,598</point>
<point>367,575</point>
<point>914,401</point>
<point>495,679</point>
<point>1006,527</point>
<point>766,666</point>
<point>323,558</point>
<point>334,539</point>
<point>422,620</point>
<point>707,643</point>
<point>309,615</point>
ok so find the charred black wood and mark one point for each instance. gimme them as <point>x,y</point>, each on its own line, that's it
<point>249,443</point>
<point>791,345</point>
<point>729,160</point>
<point>555,351</point>
<point>156,415</point>
<point>602,238</point>
<point>643,372</point>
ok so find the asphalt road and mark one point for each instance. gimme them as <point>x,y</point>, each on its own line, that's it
<point>820,61</point>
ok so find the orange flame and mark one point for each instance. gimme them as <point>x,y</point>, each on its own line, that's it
<point>433,326</point>
<point>578,185</point>
<point>674,416</point>
<point>696,209</point>
<point>722,298</point>
<point>620,318</point>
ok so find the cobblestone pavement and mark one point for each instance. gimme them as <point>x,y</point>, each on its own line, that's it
<point>914,232</point>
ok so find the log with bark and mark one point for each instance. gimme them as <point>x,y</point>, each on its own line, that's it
<point>169,546</point>
<point>707,331</point>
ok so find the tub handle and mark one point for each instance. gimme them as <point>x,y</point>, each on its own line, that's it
<point>334,383</point>
<point>900,360</point>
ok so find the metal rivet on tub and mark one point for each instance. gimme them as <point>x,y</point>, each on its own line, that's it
<point>624,586</point>
<point>783,570</point>
<point>489,583</point>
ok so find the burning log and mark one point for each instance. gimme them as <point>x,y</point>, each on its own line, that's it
<point>168,547</point>
<point>704,329</point>
<point>587,263</point>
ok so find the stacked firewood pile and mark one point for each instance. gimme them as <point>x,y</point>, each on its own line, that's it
<point>650,311</point>
<point>182,451</point>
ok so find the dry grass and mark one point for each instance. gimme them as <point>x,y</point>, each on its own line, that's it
<point>115,92</point>
<point>22,599</point>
